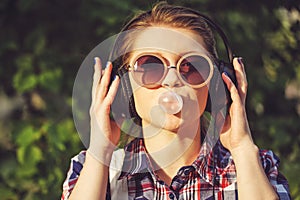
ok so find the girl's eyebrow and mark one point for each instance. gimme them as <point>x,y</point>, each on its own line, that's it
<point>188,52</point>
<point>160,51</point>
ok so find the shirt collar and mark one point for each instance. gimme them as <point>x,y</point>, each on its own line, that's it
<point>213,164</point>
<point>136,159</point>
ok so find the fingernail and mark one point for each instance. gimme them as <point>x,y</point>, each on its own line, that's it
<point>95,60</point>
<point>115,76</point>
<point>240,60</point>
<point>227,76</point>
<point>107,64</point>
<point>226,73</point>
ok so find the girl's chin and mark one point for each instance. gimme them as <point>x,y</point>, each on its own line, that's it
<point>172,123</point>
<point>168,122</point>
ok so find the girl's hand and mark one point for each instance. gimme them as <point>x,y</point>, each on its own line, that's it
<point>236,137</point>
<point>236,132</point>
<point>105,133</point>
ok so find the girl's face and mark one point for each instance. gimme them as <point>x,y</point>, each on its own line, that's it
<point>169,44</point>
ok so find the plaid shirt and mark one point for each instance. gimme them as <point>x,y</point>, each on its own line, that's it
<point>211,176</point>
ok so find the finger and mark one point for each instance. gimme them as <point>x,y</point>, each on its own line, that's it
<point>103,110</point>
<point>112,91</point>
<point>104,82</point>
<point>232,89</point>
<point>241,78</point>
<point>108,100</point>
<point>96,77</point>
<point>240,72</point>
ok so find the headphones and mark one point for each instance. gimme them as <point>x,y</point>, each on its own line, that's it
<point>124,94</point>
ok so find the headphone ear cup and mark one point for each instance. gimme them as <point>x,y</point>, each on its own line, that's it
<point>229,70</point>
<point>127,95</point>
<point>123,105</point>
<point>217,87</point>
<point>120,105</point>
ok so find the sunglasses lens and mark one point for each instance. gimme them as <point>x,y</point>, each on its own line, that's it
<point>148,70</point>
<point>195,69</point>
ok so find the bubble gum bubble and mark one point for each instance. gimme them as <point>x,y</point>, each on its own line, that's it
<point>170,102</point>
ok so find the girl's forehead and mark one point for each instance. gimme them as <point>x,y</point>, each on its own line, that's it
<point>175,40</point>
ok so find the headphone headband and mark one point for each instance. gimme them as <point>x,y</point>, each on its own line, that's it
<point>220,32</point>
<point>208,20</point>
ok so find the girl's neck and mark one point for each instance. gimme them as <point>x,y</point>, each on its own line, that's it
<point>170,150</point>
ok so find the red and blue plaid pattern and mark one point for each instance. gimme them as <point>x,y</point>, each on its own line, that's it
<point>211,176</point>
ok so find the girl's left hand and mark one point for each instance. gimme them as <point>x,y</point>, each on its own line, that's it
<point>236,132</point>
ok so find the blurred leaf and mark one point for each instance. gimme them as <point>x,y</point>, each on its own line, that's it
<point>27,136</point>
<point>6,193</point>
<point>50,79</point>
<point>42,44</point>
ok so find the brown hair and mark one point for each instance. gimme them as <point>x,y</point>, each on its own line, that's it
<point>163,14</point>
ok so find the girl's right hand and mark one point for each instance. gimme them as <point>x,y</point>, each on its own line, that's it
<point>105,133</point>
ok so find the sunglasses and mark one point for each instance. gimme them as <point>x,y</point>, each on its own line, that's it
<point>149,70</point>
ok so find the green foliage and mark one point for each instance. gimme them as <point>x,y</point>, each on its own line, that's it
<point>42,44</point>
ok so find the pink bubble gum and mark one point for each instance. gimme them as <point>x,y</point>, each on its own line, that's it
<point>170,102</point>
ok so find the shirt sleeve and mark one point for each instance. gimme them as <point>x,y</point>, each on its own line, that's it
<point>270,164</point>
<point>76,166</point>
<point>73,174</point>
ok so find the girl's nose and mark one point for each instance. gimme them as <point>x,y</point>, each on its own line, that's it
<point>172,79</point>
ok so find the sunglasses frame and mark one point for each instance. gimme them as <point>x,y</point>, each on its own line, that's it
<point>166,69</point>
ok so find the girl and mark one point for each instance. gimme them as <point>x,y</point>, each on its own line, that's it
<point>166,71</point>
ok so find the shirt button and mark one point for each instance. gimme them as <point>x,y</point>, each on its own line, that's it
<point>186,172</point>
<point>171,196</point>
